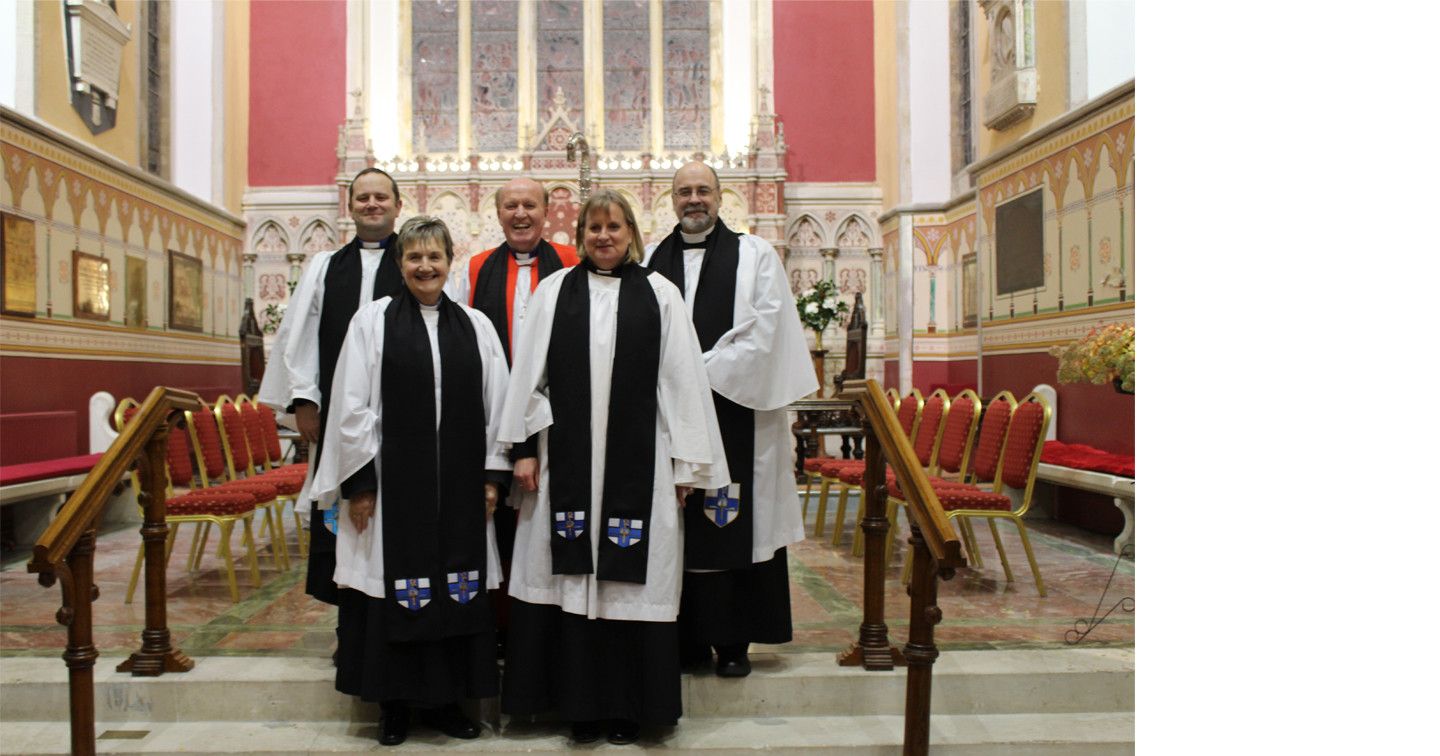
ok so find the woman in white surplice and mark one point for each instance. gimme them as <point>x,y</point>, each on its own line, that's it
<point>412,471</point>
<point>612,378</point>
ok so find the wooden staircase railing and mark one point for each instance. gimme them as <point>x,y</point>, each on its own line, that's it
<point>936,553</point>
<point>66,552</point>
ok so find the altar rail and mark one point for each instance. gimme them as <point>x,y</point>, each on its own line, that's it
<point>66,551</point>
<point>936,554</point>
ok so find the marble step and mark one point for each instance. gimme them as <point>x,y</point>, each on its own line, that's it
<point>1070,734</point>
<point>277,689</point>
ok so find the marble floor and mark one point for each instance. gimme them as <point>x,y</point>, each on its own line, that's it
<point>981,610</point>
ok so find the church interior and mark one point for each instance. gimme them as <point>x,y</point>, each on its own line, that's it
<point>960,173</point>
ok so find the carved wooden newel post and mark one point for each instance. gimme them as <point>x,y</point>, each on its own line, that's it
<point>920,651</point>
<point>77,591</point>
<point>156,656</point>
<point>873,649</point>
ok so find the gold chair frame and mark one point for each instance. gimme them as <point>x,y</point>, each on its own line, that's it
<point>226,523</point>
<point>274,523</point>
<point>822,505</point>
<point>1015,514</point>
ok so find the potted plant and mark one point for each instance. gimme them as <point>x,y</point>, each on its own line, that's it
<point>1104,355</point>
<point>820,306</point>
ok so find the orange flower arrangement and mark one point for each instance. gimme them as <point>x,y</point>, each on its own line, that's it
<point>1104,355</point>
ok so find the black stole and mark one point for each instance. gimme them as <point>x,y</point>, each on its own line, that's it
<point>707,545</point>
<point>342,299</point>
<point>433,492</point>
<point>491,293</point>
<point>629,481</point>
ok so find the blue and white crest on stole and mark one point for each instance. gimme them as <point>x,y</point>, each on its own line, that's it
<point>412,593</point>
<point>464,585</point>
<point>570,524</point>
<point>626,532</point>
<point>332,520</point>
<point>723,505</point>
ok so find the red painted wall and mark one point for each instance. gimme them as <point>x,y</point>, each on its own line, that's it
<point>1091,415</point>
<point>35,384</point>
<point>825,88</point>
<point>929,376</point>
<point>297,91</point>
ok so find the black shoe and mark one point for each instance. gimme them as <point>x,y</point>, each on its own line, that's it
<point>733,660</point>
<point>585,732</point>
<point>623,731</point>
<point>451,721</point>
<point>394,727</point>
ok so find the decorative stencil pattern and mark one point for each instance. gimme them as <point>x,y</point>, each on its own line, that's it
<point>687,74</point>
<point>494,74</point>
<point>627,73</point>
<point>434,36</point>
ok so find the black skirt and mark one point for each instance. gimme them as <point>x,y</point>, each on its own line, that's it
<point>424,674</point>
<point>320,567</point>
<point>588,669</point>
<point>737,606</point>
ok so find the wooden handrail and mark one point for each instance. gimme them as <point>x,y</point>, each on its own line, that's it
<point>936,554</point>
<point>65,552</point>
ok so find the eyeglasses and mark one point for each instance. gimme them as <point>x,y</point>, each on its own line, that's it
<point>687,192</point>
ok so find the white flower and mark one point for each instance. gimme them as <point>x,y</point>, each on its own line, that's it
<point>812,308</point>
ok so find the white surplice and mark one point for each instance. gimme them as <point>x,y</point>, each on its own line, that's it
<point>293,369</point>
<point>688,452</point>
<point>355,427</point>
<point>761,363</point>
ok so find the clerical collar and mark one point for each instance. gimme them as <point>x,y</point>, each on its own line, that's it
<point>523,258</point>
<point>696,240</point>
<point>603,272</point>
<point>373,245</point>
<point>424,306</point>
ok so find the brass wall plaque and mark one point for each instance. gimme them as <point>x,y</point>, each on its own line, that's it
<point>91,287</point>
<point>17,236</point>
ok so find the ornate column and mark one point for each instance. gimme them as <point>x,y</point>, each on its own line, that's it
<point>877,294</point>
<point>297,263</point>
<point>827,270</point>
<point>247,274</point>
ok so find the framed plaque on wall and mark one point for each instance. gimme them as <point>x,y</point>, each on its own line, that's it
<point>17,237</point>
<point>187,291</point>
<point>136,275</point>
<point>91,287</point>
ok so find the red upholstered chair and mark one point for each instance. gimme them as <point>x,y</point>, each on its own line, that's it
<point>1019,457</point>
<point>260,429</point>
<point>200,506</point>
<point>952,456</point>
<point>812,465</point>
<point>907,412</point>
<point>240,465</point>
<point>974,465</point>
<point>933,415</point>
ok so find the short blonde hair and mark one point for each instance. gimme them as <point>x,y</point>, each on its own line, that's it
<point>600,199</point>
<point>424,228</point>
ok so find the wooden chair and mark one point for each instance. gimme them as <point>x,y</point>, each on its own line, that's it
<point>240,465</point>
<point>203,507</point>
<point>908,413</point>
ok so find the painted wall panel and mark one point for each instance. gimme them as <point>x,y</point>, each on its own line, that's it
<point>828,110</point>
<point>297,91</point>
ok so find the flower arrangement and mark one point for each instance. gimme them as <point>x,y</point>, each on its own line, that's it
<point>820,306</point>
<point>1104,355</point>
<point>273,314</point>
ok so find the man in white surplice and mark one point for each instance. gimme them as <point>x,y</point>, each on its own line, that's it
<point>737,295</point>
